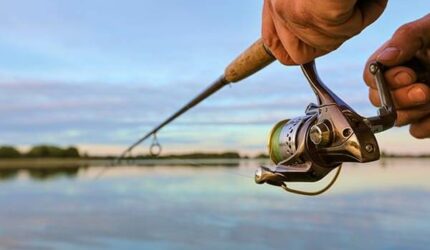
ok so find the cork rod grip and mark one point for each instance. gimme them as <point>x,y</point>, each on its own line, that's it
<point>249,62</point>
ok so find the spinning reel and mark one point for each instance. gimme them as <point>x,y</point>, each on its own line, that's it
<point>307,148</point>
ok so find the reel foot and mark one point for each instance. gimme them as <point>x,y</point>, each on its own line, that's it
<point>266,175</point>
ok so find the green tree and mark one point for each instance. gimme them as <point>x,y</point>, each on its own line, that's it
<point>230,155</point>
<point>43,151</point>
<point>71,152</point>
<point>262,156</point>
<point>9,152</point>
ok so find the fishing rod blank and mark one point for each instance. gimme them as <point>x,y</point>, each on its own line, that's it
<point>253,59</point>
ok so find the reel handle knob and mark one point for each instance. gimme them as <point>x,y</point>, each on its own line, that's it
<point>387,114</point>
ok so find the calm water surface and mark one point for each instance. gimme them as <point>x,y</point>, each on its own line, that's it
<point>384,205</point>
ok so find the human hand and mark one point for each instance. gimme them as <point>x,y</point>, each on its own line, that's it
<point>411,92</point>
<point>298,31</point>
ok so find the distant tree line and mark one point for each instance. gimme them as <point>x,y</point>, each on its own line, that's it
<point>50,151</point>
<point>199,155</point>
<point>391,155</point>
<point>40,151</point>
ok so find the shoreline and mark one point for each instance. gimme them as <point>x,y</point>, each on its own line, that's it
<point>34,163</point>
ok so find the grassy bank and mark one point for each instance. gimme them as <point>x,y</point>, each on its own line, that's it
<point>28,163</point>
<point>50,163</point>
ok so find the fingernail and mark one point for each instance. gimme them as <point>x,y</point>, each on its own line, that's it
<point>388,54</point>
<point>403,78</point>
<point>417,95</point>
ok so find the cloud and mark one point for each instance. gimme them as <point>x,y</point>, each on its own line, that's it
<point>86,112</point>
<point>104,72</point>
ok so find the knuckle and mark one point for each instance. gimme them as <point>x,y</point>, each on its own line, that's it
<point>402,118</point>
<point>426,91</point>
<point>269,38</point>
<point>290,12</point>
<point>368,78</point>
<point>418,94</point>
<point>300,59</point>
<point>400,76</point>
<point>416,134</point>
<point>303,55</point>
<point>281,54</point>
<point>336,15</point>
<point>286,60</point>
<point>420,130</point>
<point>406,30</point>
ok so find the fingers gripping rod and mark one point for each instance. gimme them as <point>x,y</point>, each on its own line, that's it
<point>253,59</point>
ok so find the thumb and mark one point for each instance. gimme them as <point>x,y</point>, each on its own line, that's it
<point>405,43</point>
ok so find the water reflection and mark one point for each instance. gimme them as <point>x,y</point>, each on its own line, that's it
<point>187,163</point>
<point>50,171</point>
<point>8,174</point>
<point>185,207</point>
<point>41,173</point>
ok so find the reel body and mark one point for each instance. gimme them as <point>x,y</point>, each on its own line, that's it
<point>307,148</point>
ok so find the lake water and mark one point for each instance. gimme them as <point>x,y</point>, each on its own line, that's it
<point>383,205</point>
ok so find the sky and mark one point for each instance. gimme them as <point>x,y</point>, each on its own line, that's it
<point>100,74</point>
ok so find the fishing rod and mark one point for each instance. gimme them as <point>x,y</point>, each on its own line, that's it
<point>308,147</point>
<point>253,59</point>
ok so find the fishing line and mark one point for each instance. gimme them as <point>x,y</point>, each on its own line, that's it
<point>241,175</point>
<point>196,164</point>
<point>314,193</point>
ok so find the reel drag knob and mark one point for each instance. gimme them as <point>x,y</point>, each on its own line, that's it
<point>320,134</point>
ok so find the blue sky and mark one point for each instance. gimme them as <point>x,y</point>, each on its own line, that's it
<point>99,74</point>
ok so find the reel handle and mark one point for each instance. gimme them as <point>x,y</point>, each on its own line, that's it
<point>387,114</point>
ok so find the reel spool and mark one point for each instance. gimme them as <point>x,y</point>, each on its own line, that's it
<point>307,148</point>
